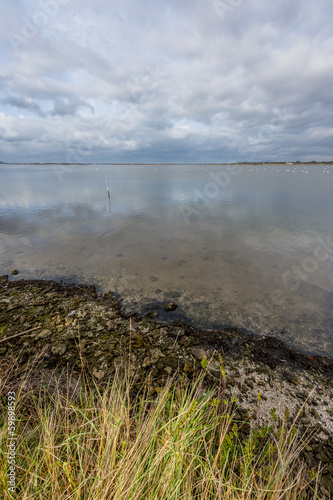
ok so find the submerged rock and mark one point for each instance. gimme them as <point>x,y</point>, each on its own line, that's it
<point>170,307</point>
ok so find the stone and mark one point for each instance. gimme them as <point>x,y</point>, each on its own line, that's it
<point>44,333</point>
<point>305,421</point>
<point>98,354</point>
<point>139,341</point>
<point>170,307</point>
<point>327,482</point>
<point>323,457</point>
<point>155,355</point>
<point>99,374</point>
<point>59,349</point>
<point>14,271</point>
<point>198,353</point>
<point>186,341</point>
<point>11,307</point>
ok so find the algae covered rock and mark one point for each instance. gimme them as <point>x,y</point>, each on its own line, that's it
<point>59,349</point>
<point>198,353</point>
<point>152,359</point>
<point>170,307</point>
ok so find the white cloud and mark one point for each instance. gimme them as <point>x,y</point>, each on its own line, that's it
<point>172,81</point>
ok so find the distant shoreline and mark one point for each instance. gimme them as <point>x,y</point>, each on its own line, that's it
<point>161,164</point>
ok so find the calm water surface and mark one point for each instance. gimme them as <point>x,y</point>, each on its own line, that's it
<point>248,246</point>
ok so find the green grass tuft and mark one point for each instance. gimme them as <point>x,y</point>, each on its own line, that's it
<point>184,443</point>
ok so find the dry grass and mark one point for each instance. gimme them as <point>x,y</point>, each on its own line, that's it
<point>77,441</point>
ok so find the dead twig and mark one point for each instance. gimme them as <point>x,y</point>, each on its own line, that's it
<point>232,334</point>
<point>17,334</point>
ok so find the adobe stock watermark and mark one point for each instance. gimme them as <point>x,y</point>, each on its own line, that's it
<point>293,277</point>
<point>201,198</point>
<point>267,131</point>
<point>224,8</point>
<point>82,150</point>
<point>122,280</point>
<point>91,141</point>
<point>11,441</point>
<point>151,80</point>
<point>221,180</point>
<point>40,19</point>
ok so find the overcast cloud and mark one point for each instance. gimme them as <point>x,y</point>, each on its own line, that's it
<point>173,81</point>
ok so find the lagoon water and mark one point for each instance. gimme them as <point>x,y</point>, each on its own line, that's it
<point>248,246</point>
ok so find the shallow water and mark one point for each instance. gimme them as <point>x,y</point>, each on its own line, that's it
<point>249,246</point>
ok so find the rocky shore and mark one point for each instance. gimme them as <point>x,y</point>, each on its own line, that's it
<point>71,326</point>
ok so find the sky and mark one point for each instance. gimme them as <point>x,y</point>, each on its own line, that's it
<point>178,81</point>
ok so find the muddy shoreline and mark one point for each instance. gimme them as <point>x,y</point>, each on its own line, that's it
<point>71,326</point>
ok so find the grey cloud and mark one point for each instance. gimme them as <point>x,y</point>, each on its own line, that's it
<point>174,81</point>
<point>64,107</point>
<point>61,106</point>
<point>23,103</point>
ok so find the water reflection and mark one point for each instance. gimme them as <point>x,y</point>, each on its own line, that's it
<point>123,228</point>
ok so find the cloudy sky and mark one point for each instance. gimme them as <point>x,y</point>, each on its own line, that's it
<point>173,81</point>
